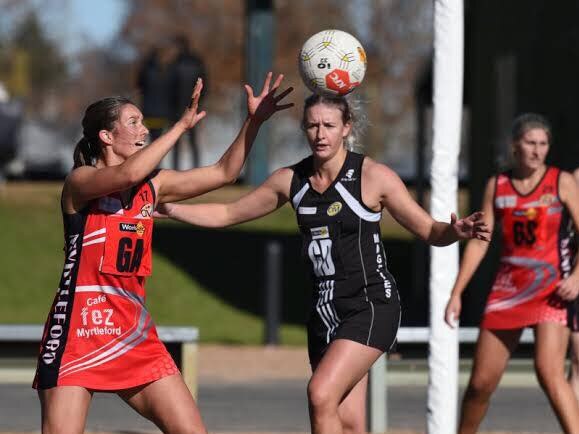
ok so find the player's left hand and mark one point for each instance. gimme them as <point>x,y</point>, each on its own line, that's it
<point>469,227</point>
<point>568,288</point>
<point>262,106</point>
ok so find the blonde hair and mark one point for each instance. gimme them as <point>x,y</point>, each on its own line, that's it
<point>351,112</point>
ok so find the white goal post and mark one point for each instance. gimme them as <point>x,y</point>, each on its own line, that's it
<point>447,101</point>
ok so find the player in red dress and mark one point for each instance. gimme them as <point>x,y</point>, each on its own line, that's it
<point>535,206</point>
<point>99,335</point>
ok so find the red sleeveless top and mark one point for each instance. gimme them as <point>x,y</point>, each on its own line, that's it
<point>99,334</point>
<point>536,254</point>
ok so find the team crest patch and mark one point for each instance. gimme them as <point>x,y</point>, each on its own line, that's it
<point>548,199</point>
<point>147,210</point>
<point>334,208</point>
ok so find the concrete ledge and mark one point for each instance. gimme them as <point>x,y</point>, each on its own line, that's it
<point>466,335</point>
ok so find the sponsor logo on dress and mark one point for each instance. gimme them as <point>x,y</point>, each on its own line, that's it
<point>307,210</point>
<point>60,309</point>
<point>139,228</point>
<point>530,213</point>
<point>320,232</point>
<point>334,208</point>
<point>505,201</point>
<point>349,176</point>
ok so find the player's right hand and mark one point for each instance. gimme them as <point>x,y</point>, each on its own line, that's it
<point>452,312</point>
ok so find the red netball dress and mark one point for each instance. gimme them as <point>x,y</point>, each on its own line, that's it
<point>99,334</point>
<point>537,253</point>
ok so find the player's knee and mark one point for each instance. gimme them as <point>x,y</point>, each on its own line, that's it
<point>320,398</point>
<point>480,387</point>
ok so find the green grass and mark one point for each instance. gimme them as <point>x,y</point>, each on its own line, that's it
<point>32,259</point>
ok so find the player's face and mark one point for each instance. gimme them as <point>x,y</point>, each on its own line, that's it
<point>532,148</point>
<point>325,130</point>
<point>129,134</point>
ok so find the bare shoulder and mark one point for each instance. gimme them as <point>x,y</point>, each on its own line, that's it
<point>380,179</point>
<point>280,181</point>
<point>490,187</point>
<point>566,181</point>
<point>373,170</point>
<point>77,176</point>
<point>281,176</point>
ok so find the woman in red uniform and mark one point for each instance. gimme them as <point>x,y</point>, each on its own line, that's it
<point>535,205</point>
<point>99,335</point>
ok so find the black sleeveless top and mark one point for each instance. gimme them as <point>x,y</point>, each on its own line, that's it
<point>341,235</point>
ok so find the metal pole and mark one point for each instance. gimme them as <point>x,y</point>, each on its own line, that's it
<point>378,397</point>
<point>273,273</point>
<point>259,60</point>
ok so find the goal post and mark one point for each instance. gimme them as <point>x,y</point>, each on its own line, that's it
<point>447,102</point>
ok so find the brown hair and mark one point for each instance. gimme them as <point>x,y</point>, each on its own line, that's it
<point>529,121</point>
<point>100,115</point>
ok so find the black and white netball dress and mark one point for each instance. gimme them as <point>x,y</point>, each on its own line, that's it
<point>355,296</point>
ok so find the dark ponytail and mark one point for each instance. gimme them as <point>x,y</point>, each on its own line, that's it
<point>85,154</point>
<point>100,115</point>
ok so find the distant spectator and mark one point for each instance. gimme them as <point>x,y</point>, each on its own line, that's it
<point>185,70</point>
<point>10,121</point>
<point>153,83</point>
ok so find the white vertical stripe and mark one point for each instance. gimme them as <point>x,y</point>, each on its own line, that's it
<point>371,324</point>
<point>299,195</point>
<point>323,317</point>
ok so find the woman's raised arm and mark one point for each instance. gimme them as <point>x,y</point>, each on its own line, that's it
<point>175,185</point>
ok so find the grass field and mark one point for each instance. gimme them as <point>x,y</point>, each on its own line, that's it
<point>32,259</point>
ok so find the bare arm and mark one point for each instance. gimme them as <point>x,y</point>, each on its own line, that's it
<point>269,196</point>
<point>473,254</point>
<point>87,182</point>
<point>397,200</point>
<point>173,185</point>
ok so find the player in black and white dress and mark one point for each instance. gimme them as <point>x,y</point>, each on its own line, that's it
<point>338,196</point>
<point>355,297</point>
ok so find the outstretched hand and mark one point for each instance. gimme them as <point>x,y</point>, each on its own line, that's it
<point>190,117</point>
<point>264,105</point>
<point>469,227</point>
